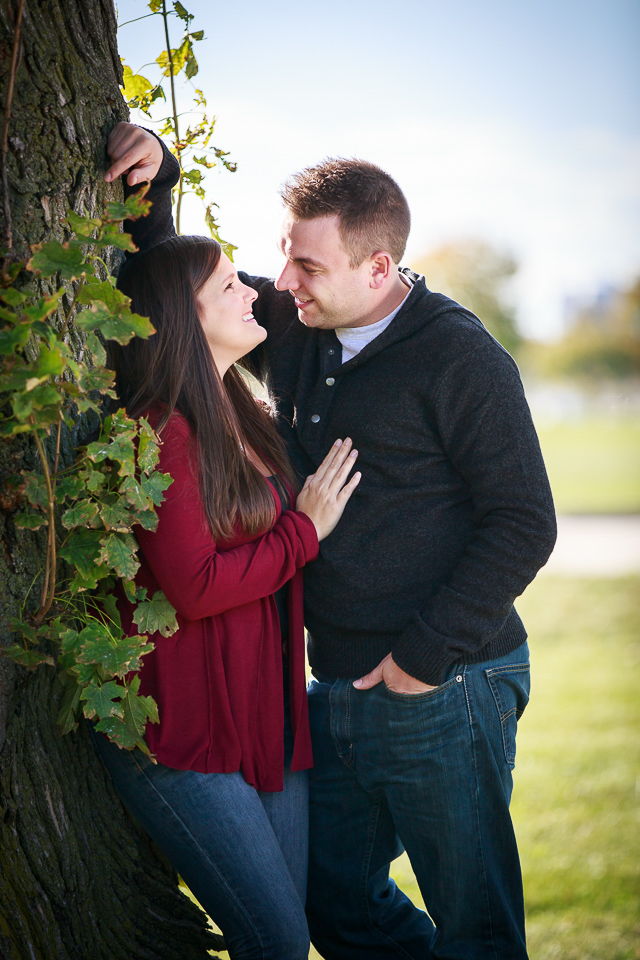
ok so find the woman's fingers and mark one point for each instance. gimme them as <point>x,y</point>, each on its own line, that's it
<point>348,488</point>
<point>131,148</point>
<point>342,471</point>
<point>338,451</point>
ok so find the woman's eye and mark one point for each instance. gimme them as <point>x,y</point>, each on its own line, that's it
<point>229,286</point>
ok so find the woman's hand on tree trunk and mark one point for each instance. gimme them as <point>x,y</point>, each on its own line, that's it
<point>325,493</point>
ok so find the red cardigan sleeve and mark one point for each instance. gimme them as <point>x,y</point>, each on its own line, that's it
<point>198,578</point>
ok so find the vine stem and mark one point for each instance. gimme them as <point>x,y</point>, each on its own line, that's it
<point>165,17</point>
<point>49,584</point>
<point>8,230</point>
<point>67,319</point>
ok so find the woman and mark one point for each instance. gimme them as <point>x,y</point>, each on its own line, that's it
<point>227,799</point>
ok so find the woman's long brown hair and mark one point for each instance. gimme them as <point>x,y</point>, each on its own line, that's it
<point>174,368</point>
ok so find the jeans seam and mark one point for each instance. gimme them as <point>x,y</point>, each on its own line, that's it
<point>206,856</point>
<point>371,839</point>
<point>477,809</point>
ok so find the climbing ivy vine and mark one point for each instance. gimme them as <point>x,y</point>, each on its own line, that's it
<point>192,146</point>
<point>86,509</point>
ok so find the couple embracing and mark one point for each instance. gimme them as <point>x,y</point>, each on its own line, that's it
<point>266,796</point>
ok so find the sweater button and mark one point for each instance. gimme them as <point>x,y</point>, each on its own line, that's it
<point>331,351</point>
<point>315,418</point>
<point>330,381</point>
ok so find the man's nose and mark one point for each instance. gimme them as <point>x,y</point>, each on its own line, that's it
<point>287,279</point>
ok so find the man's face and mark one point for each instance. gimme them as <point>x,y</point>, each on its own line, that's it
<point>328,292</point>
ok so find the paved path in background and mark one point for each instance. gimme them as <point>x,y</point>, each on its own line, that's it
<point>596,546</point>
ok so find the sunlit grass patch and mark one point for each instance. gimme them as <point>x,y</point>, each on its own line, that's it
<point>593,464</point>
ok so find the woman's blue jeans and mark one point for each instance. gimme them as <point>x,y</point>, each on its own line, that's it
<point>242,853</point>
<point>429,773</point>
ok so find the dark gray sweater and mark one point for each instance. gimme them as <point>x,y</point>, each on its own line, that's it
<point>453,516</point>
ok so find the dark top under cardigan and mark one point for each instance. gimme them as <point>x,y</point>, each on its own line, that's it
<point>453,516</point>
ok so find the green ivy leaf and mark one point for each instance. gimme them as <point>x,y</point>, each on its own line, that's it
<point>26,658</point>
<point>182,13</point>
<point>138,710</point>
<point>147,519</point>
<point>35,490</point>
<point>112,236</point>
<point>116,658</point>
<point>30,521</point>
<point>116,516</point>
<point>133,207</point>
<point>28,633</point>
<point>67,259</point>
<point>156,615</point>
<point>109,607</point>
<point>98,379</point>
<point>43,307</point>
<point>148,449</point>
<point>135,494</point>
<point>14,338</point>
<point>68,487</point>
<point>191,63</point>
<point>12,296</point>
<point>104,291</point>
<point>94,480</point>
<point>155,485</point>
<point>81,515</point>
<point>82,226</point>
<point>121,450</point>
<point>121,327</point>
<point>82,549</point>
<point>99,700</point>
<point>118,553</point>
<point>70,707</point>
<point>96,349</point>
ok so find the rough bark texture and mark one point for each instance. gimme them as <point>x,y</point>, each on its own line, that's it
<point>77,878</point>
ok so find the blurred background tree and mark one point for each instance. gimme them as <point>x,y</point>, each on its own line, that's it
<point>601,342</point>
<point>476,274</point>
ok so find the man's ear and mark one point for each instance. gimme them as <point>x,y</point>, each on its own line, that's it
<point>381,268</point>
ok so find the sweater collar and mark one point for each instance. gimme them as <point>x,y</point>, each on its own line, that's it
<point>420,308</point>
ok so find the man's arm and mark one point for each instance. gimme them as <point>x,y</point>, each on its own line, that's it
<point>488,436</point>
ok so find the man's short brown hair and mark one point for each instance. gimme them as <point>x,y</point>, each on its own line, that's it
<point>374,214</point>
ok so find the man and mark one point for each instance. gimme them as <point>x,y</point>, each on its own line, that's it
<point>419,658</point>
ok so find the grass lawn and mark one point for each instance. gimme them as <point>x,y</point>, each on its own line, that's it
<point>577,777</point>
<point>593,464</point>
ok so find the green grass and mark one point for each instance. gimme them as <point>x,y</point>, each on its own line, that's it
<point>593,464</point>
<point>577,777</point>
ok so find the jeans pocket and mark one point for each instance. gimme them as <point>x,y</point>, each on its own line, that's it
<point>425,695</point>
<point>510,685</point>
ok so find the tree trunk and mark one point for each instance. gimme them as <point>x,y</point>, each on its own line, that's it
<point>78,879</point>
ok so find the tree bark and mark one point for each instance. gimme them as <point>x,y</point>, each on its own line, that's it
<point>78,879</point>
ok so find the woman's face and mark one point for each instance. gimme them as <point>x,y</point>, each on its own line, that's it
<point>224,308</point>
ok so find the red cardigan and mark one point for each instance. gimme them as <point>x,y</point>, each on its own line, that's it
<point>218,680</point>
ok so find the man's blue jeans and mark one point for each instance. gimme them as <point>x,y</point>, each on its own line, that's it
<point>429,773</point>
<point>242,853</point>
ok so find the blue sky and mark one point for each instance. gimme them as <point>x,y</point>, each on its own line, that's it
<point>515,122</point>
